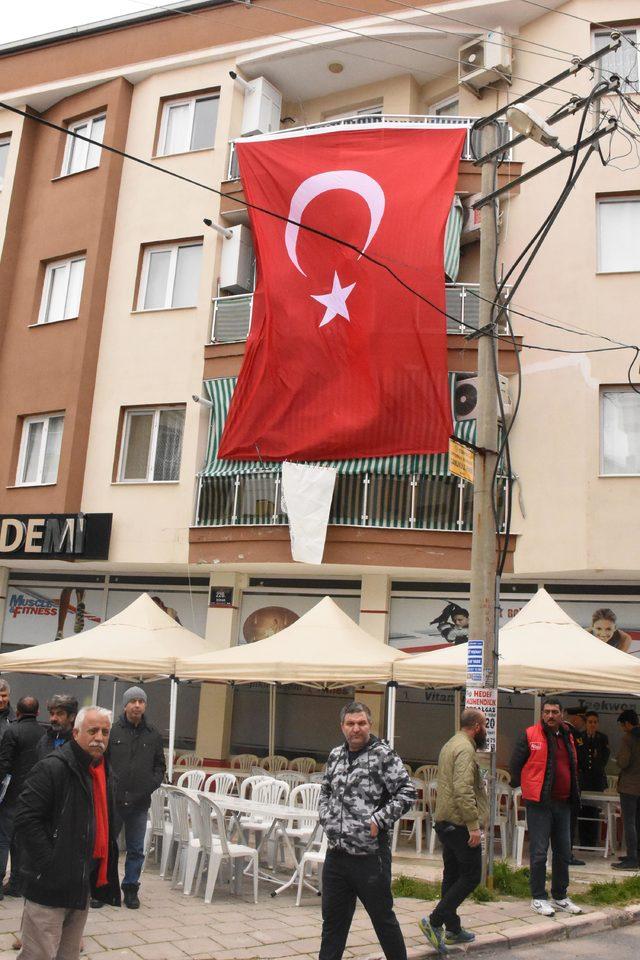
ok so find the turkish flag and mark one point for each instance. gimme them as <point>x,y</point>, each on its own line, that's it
<point>342,360</point>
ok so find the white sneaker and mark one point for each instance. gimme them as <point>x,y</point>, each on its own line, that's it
<point>567,905</point>
<point>543,907</point>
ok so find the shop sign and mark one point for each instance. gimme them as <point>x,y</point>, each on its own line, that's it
<point>221,597</point>
<point>475,662</point>
<point>486,700</point>
<point>461,460</point>
<point>62,536</point>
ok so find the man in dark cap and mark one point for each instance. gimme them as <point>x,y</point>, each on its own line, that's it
<point>63,709</point>
<point>136,756</point>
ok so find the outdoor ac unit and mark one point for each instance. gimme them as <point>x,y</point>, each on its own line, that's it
<point>237,262</point>
<point>262,108</point>
<point>484,60</point>
<point>465,401</point>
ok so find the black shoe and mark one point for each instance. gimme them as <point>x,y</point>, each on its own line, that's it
<point>625,865</point>
<point>130,891</point>
<point>95,904</point>
<point>574,862</point>
<point>9,891</point>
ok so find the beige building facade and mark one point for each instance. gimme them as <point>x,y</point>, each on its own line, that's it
<point>118,306</point>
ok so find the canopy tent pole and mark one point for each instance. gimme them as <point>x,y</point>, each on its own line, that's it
<point>537,707</point>
<point>272,718</point>
<point>392,691</point>
<point>457,708</point>
<point>94,692</point>
<point>113,702</point>
<point>173,705</point>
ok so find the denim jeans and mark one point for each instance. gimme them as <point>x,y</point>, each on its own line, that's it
<point>347,878</point>
<point>630,808</point>
<point>462,874</point>
<point>135,826</point>
<point>549,823</point>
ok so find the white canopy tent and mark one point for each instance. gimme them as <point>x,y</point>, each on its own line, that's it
<point>541,649</point>
<point>140,643</point>
<point>324,648</point>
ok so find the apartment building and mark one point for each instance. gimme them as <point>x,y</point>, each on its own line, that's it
<point>118,306</point>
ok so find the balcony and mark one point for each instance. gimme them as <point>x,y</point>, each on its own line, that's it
<point>413,502</point>
<point>232,203</point>
<point>231,316</point>
<point>399,119</point>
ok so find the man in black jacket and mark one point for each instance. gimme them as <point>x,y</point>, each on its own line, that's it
<point>17,756</point>
<point>62,715</point>
<point>6,713</point>
<point>137,758</point>
<point>64,824</point>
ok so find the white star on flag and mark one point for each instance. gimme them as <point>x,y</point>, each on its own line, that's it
<point>335,302</point>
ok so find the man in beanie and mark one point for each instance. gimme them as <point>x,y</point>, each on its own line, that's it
<point>137,759</point>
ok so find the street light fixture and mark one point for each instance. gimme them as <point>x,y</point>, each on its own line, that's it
<point>527,122</point>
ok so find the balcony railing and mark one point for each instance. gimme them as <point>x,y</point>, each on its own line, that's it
<point>231,317</point>
<point>361,500</point>
<point>386,118</point>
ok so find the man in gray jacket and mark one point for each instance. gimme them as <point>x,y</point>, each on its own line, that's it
<point>365,790</point>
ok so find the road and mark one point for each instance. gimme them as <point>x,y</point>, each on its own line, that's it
<point>622,943</point>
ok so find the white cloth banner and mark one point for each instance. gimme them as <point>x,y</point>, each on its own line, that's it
<point>307,491</point>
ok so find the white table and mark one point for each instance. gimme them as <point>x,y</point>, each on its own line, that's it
<point>279,814</point>
<point>608,801</point>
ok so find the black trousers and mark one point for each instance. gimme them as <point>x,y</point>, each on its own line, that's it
<point>345,879</point>
<point>549,823</point>
<point>462,874</point>
<point>630,807</point>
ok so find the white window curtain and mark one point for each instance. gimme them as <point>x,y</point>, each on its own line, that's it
<point>619,235</point>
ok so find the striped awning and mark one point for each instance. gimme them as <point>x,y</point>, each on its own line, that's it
<point>452,234</point>
<point>220,391</point>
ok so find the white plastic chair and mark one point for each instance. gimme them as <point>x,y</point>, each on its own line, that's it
<point>221,784</point>
<point>217,848</point>
<point>157,824</point>
<point>293,778</point>
<point>190,759</point>
<point>418,817</point>
<point>311,857</point>
<point>244,762</point>
<point>307,797</point>
<point>261,772</point>
<point>519,825</point>
<point>248,784</point>
<point>274,763</point>
<point>181,833</point>
<point>427,772</point>
<point>191,779</point>
<point>303,764</point>
<point>317,777</point>
<point>267,791</point>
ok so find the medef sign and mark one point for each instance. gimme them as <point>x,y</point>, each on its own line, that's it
<point>76,536</point>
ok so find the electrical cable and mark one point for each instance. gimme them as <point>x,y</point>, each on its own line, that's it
<point>575,16</point>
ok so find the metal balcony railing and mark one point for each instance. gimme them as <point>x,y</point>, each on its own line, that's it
<point>386,118</point>
<point>231,316</point>
<point>361,500</point>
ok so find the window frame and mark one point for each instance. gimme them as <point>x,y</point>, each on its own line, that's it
<point>46,288</point>
<point>442,104</point>
<point>5,141</point>
<point>375,109</point>
<point>45,419</point>
<point>617,198</point>
<point>172,248</point>
<point>189,101</point>
<point>153,442</point>
<point>604,389</point>
<point>69,141</point>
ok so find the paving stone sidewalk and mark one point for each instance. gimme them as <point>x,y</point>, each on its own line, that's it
<point>170,926</point>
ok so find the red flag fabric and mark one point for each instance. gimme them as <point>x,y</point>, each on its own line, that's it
<point>342,361</point>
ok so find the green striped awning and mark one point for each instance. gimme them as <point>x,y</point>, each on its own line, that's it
<point>219,391</point>
<point>452,234</point>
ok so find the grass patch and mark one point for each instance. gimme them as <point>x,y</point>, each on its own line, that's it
<point>404,886</point>
<point>482,894</point>
<point>509,882</point>
<point>506,882</point>
<point>612,894</point>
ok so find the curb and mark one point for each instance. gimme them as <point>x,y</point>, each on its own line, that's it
<point>528,934</point>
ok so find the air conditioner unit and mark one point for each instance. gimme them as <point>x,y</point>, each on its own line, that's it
<point>465,398</point>
<point>237,262</point>
<point>484,60</point>
<point>262,108</point>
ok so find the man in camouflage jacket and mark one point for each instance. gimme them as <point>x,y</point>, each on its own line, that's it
<point>365,790</point>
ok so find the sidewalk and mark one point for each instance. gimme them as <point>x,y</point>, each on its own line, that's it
<point>170,926</point>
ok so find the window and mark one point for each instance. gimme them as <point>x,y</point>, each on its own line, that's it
<point>151,445</point>
<point>618,234</point>
<point>620,431</point>
<point>62,290</point>
<point>78,154</point>
<point>188,124</point>
<point>363,112</point>
<point>4,153</point>
<point>40,450</point>
<point>170,276</point>
<point>447,108</point>
<point>623,61</point>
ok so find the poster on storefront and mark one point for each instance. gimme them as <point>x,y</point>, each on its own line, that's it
<point>38,614</point>
<point>264,614</point>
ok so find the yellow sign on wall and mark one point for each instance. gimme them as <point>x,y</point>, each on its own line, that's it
<point>461,460</point>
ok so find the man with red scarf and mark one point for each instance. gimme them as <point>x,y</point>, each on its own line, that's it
<point>64,825</point>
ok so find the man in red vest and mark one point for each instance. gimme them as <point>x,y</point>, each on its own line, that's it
<point>544,764</point>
